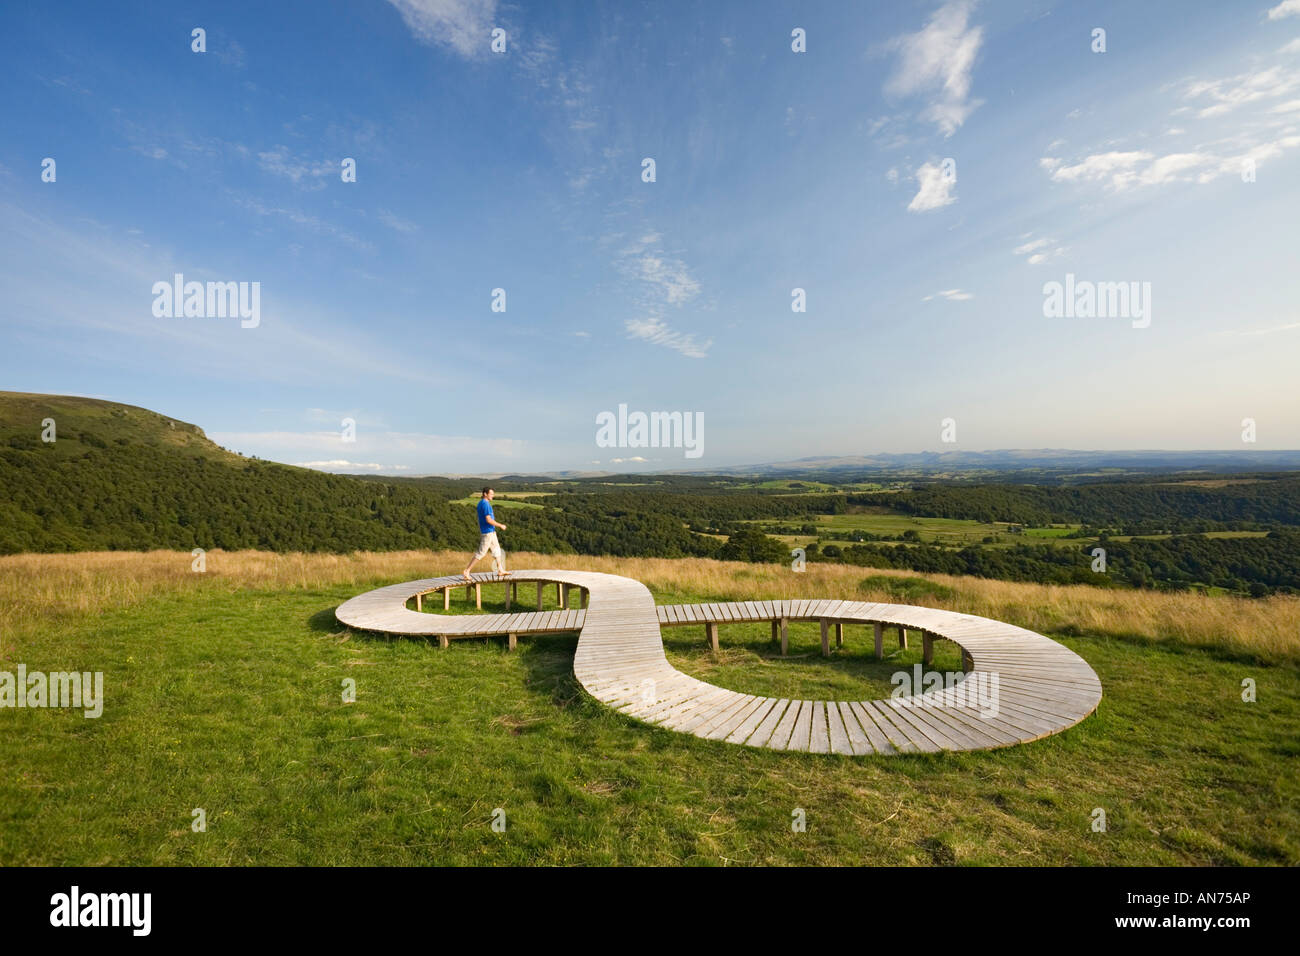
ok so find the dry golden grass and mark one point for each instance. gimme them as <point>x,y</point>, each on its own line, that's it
<point>38,588</point>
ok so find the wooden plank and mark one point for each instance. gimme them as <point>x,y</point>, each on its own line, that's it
<point>746,728</point>
<point>801,738</point>
<point>767,726</point>
<point>902,736</point>
<point>821,740</point>
<point>839,735</point>
<point>785,729</point>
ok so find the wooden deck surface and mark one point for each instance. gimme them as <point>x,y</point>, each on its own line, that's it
<point>1031,685</point>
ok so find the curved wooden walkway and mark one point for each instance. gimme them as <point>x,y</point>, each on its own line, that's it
<point>1016,685</point>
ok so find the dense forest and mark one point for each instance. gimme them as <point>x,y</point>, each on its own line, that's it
<point>1148,507</point>
<point>1257,566</point>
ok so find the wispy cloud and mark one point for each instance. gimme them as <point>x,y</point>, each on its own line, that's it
<point>1287,327</point>
<point>659,281</point>
<point>342,464</point>
<point>952,295</point>
<point>937,62</point>
<point>656,332</point>
<point>1038,251</point>
<point>935,189</point>
<point>305,220</point>
<point>1120,171</point>
<point>1231,92</point>
<point>280,161</point>
<point>461,25</point>
<point>277,445</point>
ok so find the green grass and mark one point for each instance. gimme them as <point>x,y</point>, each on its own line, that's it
<point>952,532</point>
<point>232,702</point>
<point>497,502</point>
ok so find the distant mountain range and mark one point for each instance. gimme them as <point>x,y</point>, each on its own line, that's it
<point>1014,459</point>
<point>937,464</point>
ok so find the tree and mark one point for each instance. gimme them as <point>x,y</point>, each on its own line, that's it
<point>752,545</point>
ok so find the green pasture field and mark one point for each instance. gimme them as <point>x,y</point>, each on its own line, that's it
<point>231,701</point>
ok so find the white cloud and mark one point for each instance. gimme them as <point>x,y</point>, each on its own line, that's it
<point>937,61</point>
<point>463,25</point>
<point>1231,92</point>
<point>1287,8</point>
<point>277,445</point>
<point>341,464</point>
<point>622,461</point>
<point>670,277</point>
<point>1123,171</point>
<point>935,191</point>
<point>1292,47</point>
<point>952,295</point>
<point>654,330</point>
<point>281,162</point>
<point>1038,250</point>
<point>1031,246</point>
<point>659,281</point>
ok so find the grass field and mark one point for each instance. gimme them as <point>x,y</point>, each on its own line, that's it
<point>500,502</point>
<point>223,691</point>
<point>954,532</point>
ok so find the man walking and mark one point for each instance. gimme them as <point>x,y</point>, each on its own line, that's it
<point>487,523</point>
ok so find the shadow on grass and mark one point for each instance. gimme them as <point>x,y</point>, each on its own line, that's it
<point>324,621</point>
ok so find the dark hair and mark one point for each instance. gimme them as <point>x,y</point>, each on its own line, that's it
<point>486,489</point>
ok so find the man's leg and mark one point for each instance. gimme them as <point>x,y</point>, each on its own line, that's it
<point>498,556</point>
<point>478,555</point>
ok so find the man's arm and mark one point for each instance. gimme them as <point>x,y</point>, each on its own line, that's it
<point>495,523</point>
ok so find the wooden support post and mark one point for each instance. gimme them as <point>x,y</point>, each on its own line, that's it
<point>586,596</point>
<point>967,663</point>
<point>880,639</point>
<point>564,595</point>
<point>418,606</point>
<point>446,599</point>
<point>927,647</point>
<point>443,641</point>
<point>478,595</point>
<point>511,641</point>
<point>785,635</point>
<point>541,585</point>
<point>839,633</point>
<point>776,631</point>
<point>711,632</point>
<point>510,591</point>
<point>902,637</point>
<point>559,593</point>
<point>826,639</point>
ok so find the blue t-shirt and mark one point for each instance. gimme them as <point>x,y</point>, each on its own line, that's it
<point>484,512</point>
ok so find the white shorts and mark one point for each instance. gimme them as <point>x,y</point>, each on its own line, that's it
<point>488,542</point>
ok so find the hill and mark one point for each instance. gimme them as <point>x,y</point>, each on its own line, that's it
<point>118,477</point>
<point>83,424</point>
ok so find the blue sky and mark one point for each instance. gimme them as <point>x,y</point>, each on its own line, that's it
<point>775,170</point>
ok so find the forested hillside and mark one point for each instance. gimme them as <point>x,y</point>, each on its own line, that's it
<point>123,478</point>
